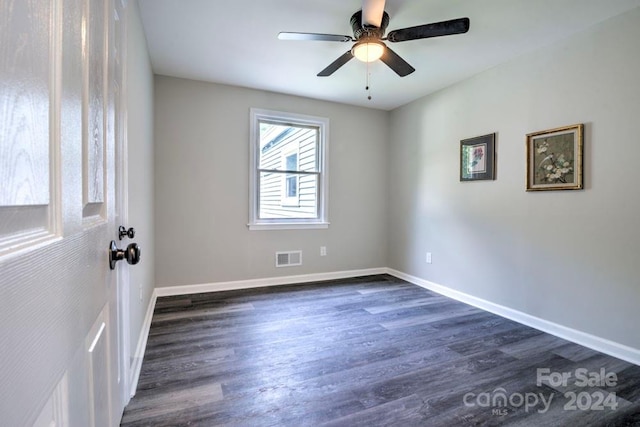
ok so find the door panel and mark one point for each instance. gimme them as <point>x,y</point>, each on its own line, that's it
<point>25,154</point>
<point>57,214</point>
<point>24,75</point>
<point>94,114</point>
<point>55,410</point>
<point>99,386</point>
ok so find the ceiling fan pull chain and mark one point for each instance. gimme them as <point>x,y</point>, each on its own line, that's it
<point>368,87</point>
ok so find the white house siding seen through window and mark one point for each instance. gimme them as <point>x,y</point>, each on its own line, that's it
<point>288,183</point>
<point>288,171</point>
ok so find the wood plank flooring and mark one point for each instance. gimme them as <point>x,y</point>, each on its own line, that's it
<point>371,351</point>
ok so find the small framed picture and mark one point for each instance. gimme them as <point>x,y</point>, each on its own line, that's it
<point>477,158</point>
<point>554,159</point>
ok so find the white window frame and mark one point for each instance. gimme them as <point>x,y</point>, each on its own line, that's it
<point>255,222</point>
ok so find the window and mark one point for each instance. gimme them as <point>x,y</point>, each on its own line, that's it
<point>288,182</point>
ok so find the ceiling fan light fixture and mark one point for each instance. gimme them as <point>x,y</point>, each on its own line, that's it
<point>368,51</point>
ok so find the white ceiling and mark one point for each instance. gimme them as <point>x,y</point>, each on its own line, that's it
<point>235,42</point>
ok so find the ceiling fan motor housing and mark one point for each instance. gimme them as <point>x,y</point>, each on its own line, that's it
<point>368,31</point>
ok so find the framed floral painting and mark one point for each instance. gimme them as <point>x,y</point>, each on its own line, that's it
<point>554,159</point>
<point>477,158</point>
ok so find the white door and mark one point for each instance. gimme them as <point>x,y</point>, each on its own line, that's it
<point>117,43</point>
<point>59,110</point>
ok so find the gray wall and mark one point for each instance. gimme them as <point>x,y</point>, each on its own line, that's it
<point>140,168</point>
<point>202,187</point>
<point>568,257</point>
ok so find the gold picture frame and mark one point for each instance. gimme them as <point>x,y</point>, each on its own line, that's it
<point>554,159</point>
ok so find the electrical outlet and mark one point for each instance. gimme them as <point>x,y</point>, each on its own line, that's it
<point>323,251</point>
<point>428,258</point>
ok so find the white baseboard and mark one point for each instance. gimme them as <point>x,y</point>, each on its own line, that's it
<point>603,345</point>
<point>259,283</point>
<point>136,364</point>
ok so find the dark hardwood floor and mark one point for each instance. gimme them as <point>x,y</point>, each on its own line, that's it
<point>372,351</point>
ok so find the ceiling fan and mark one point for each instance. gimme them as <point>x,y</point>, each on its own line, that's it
<point>369,26</point>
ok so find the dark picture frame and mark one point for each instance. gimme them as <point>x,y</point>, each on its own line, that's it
<point>554,159</point>
<point>478,158</point>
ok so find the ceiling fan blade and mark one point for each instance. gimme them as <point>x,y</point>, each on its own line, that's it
<point>372,11</point>
<point>333,67</point>
<point>314,37</point>
<point>396,63</point>
<point>437,29</point>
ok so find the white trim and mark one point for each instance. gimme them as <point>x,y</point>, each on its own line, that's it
<point>260,283</point>
<point>136,364</point>
<point>257,114</point>
<point>603,345</point>
<point>289,226</point>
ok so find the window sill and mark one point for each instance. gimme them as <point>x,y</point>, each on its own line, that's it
<point>289,226</point>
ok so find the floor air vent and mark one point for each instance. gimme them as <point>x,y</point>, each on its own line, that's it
<point>288,259</point>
